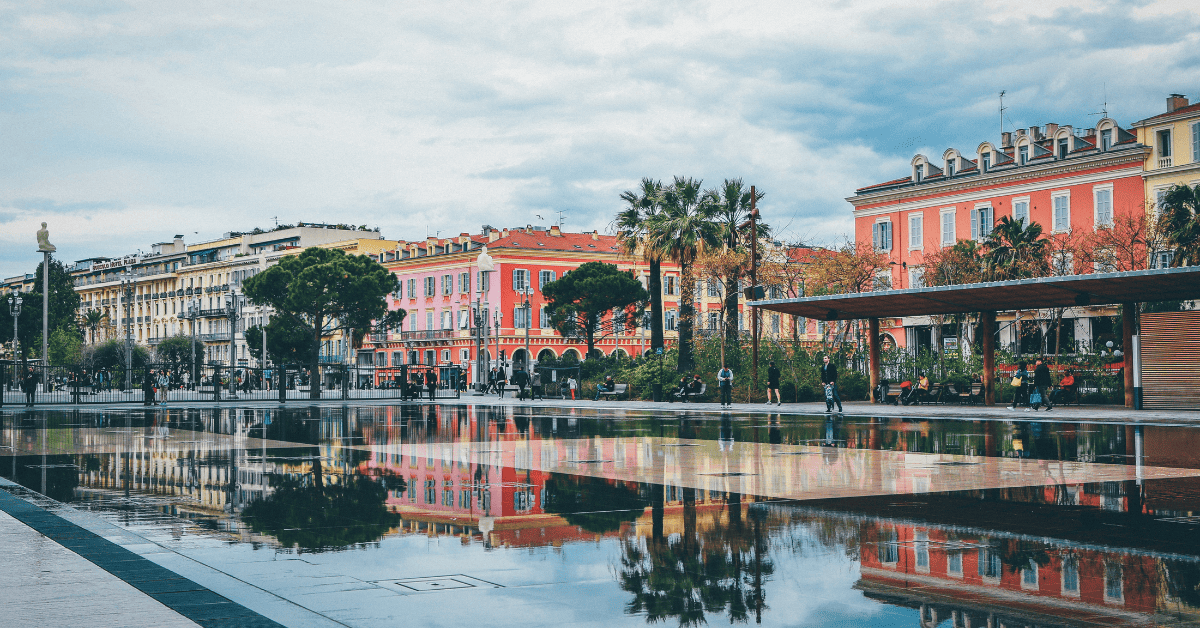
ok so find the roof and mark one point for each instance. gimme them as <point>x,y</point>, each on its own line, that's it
<point>542,240</point>
<point>1171,284</point>
<point>1182,110</point>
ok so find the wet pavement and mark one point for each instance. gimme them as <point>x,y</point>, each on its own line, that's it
<point>509,514</point>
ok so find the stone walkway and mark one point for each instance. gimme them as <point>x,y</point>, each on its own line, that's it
<point>47,585</point>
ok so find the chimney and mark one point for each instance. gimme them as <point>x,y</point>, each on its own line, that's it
<point>1176,101</point>
<point>1020,132</point>
<point>555,231</point>
<point>1051,127</point>
<point>1035,133</point>
<point>493,235</point>
<point>1089,132</point>
<point>595,234</point>
<point>1006,139</point>
<point>504,234</point>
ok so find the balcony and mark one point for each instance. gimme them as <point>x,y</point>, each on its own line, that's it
<point>223,337</point>
<point>427,334</point>
<point>1165,162</point>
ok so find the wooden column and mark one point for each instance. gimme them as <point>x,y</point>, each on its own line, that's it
<point>873,352</point>
<point>987,321</point>
<point>1128,318</point>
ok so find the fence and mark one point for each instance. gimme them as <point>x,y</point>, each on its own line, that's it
<point>39,384</point>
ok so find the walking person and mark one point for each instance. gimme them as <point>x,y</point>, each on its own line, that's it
<point>501,382</point>
<point>773,383</point>
<point>164,384</point>
<point>536,388</point>
<point>1041,386</point>
<point>572,385</point>
<point>1020,384</point>
<point>431,381</point>
<point>725,382</point>
<point>829,377</point>
<point>520,379</point>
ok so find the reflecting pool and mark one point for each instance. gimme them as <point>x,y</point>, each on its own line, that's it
<point>446,514</point>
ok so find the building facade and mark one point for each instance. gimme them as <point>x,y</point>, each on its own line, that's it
<point>1173,158</point>
<point>1068,180</point>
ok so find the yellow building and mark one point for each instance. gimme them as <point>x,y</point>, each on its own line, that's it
<point>1174,138</point>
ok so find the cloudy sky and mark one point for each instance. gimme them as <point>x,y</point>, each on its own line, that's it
<point>123,124</point>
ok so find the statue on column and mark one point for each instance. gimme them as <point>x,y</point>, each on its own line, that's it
<point>43,237</point>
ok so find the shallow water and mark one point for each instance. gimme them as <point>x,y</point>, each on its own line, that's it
<point>440,514</point>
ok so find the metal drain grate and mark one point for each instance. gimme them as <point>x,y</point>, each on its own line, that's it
<point>436,583</point>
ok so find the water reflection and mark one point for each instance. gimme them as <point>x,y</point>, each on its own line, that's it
<point>396,483</point>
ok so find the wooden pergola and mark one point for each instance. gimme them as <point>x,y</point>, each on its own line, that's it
<point>1126,289</point>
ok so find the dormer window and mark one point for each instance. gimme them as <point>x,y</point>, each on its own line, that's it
<point>1023,154</point>
<point>950,167</point>
<point>1106,139</point>
<point>918,173</point>
<point>1063,148</point>
<point>985,162</point>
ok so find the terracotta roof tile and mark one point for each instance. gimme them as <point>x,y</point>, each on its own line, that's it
<point>1188,109</point>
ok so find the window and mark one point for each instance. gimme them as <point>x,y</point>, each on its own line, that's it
<point>1106,139</point>
<point>520,317</point>
<point>464,355</point>
<point>1029,575</point>
<point>447,285</point>
<point>397,358</point>
<point>464,319</point>
<point>430,287</point>
<point>916,227</point>
<point>714,288</point>
<point>989,564</point>
<point>714,320</point>
<point>445,355</point>
<point>916,277</point>
<point>918,172</point>
<point>1114,583</point>
<point>950,166</point>
<point>775,324</point>
<point>1021,210</point>
<point>883,279</point>
<point>982,219</point>
<point>1023,154</point>
<point>1070,576</point>
<point>985,161</point>
<point>412,288</point>
<point>447,318</point>
<point>1196,142</point>
<point>1162,259</point>
<point>482,280</point>
<point>881,235</point>
<point>1104,209</point>
<point>921,549</point>
<point>1062,148</point>
<point>888,550</point>
<point>543,319</point>
<point>948,227</point>
<point>669,318</point>
<point>545,277</point>
<point>1164,143</point>
<point>670,284</point>
<point>429,320</point>
<point>954,563</point>
<point>1062,211</point>
<point>520,279</point>
<point>464,283</point>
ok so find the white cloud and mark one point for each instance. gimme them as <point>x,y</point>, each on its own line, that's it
<point>211,116</point>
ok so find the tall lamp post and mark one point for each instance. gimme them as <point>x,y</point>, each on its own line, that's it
<point>193,312</point>
<point>14,310</point>
<point>497,316</point>
<point>128,285</point>
<point>528,307</point>
<point>485,265</point>
<point>231,311</point>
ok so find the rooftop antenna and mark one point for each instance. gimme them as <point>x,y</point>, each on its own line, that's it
<point>276,219</point>
<point>1103,113</point>
<point>560,218</point>
<point>1002,108</point>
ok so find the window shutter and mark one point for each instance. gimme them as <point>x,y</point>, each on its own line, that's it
<point>1196,142</point>
<point>975,224</point>
<point>875,236</point>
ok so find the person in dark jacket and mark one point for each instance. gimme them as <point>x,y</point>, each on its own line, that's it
<point>608,385</point>
<point>520,379</point>
<point>1021,392</point>
<point>829,376</point>
<point>29,385</point>
<point>1041,383</point>
<point>431,381</point>
<point>773,383</point>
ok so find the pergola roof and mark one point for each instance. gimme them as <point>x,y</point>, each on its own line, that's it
<point>1171,284</point>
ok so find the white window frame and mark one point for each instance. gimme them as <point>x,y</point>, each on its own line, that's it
<point>430,283</point>
<point>670,320</point>
<point>881,236</point>
<point>1054,196</point>
<point>520,280</point>
<point>1021,200</point>
<point>978,220</point>
<point>447,285</point>
<point>1096,192</point>
<point>464,283</point>
<point>916,277</point>
<point>464,355</point>
<point>953,234</point>
<point>412,288</point>
<point>1158,146</point>
<point>543,318</point>
<point>918,233</point>
<point>1195,126</point>
<point>447,319</point>
<point>429,320</point>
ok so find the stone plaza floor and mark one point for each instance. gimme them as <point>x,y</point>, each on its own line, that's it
<point>604,513</point>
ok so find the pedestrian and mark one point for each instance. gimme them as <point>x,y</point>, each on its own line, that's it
<point>520,379</point>
<point>1041,386</point>
<point>148,388</point>
<point>773,383</point>
<point>501,382</point>
<point>608,385</point>
<point>431,380</point>
<point>1020,383</point>
<point>829,378</point>
<point>725,383</point>
<point>164,384</point>
<point>537,386</point>
<point>29,385</point>
<point>572,385</point>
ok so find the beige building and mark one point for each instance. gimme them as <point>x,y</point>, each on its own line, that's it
<point>158,288</point>
<point>1174,139</point>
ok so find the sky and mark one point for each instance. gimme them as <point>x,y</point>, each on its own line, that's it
<point>125,123</point>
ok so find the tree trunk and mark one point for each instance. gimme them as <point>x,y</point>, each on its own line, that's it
<point>731,309</point>
<point>687,316</point>
<point>314,370</point>
<point>656,305</point>
<point>589,332</point>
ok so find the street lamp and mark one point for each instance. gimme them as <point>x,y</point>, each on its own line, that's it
<point>485,265</point>
<point>528,307</point>
<point>231,311</point>
<point>193,312</point>
<point>14,310</point>
<point>128,285</point>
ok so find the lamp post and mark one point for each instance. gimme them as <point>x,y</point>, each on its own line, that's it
<point>193,311</point>
<point>231,311</point>
<point>485,265</point>
<point>497,315</point>
<point>14,310</point>
<point>528,307</point>
<point>128,285</point>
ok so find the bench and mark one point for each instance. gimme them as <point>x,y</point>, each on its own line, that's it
<point>616,392</point>
<point>692,395</point>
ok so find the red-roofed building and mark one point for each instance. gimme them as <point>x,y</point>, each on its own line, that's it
<point>1065,179</point>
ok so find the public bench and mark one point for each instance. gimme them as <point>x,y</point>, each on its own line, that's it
<point>690,394</point>
<point>617,391</point>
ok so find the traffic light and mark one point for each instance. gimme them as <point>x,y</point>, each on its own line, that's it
<point>754,293</point>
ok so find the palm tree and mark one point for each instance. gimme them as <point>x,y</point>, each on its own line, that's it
<point>631,225</point>
<point>93,320</point>
<point>681,232</point>
<point>1180,221</point>
<point>731,211</point>
<point>1015,251</point>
